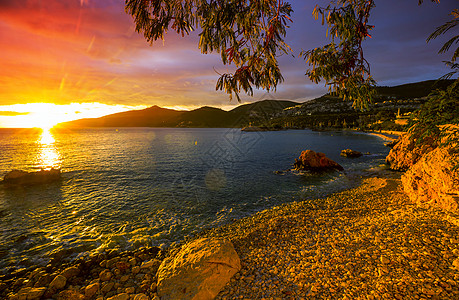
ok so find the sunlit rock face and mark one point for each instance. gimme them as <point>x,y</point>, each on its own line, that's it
<point>198,271</point>
<point>315,161</point>
<point>406,153</point>
<point>18,177</point>
<point>432,182</point>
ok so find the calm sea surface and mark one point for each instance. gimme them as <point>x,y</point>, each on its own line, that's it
<point>149,186</point>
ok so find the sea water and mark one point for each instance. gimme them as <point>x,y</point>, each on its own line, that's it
<point>129,187</point>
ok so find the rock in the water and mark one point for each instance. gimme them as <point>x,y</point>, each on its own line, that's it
<point>315,161</point>
<point>406,153</point>
<point>432,182</point>
<point>198,271</point>
<point>18,177</point>
<point>350,153</point>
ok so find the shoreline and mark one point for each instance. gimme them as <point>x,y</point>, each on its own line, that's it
<point>385,134</point>
<point>368,241</point>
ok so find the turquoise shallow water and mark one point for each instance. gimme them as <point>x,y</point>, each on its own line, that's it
<point>154,186</point>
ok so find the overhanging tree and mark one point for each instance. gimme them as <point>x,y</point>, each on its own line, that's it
<point>437,120</point>
<point>250,35</point>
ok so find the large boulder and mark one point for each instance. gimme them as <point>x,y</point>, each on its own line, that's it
<point>198,271</point>
<point>350,153</point>
<point>431,181</point>
<point>29,178</point>
<point>315,161</point>
<point>406,153</point>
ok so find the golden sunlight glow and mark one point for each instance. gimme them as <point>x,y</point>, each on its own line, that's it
<point>47,115</point>
<point>46,137</point>
<point>48,156</point>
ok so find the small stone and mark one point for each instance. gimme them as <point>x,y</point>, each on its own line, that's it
<point>130,290</point>
<point>91,289</point>
<point>132,261</point>
<point>22,294</point>
<point>107,287</point>
<point>70,272</point>
<point>140,297</point>
<point>43,280</point>
<point>122,296</point>
<point>456,263</point>
<point>105,275</point>
<point>385,260</point>
<point>124,278</point>
<point>70,295</point>
<point>135,270</point>
<point>103,264</point>
<point>123,266</point>
<point>58,282</point>
<point>112,262</point>
<point>35,293</point>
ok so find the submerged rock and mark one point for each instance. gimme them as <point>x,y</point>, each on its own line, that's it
<point>315,161</point>
<point>19,177</point>
<point>198,271</point>
<point>350,153</point>
<point>432,182</point>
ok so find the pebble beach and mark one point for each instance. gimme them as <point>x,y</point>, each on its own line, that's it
<point>369,242</point>
<point>366,243</point>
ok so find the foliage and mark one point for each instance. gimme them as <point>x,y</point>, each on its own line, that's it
<point>341,63</point>
<point>248,34</point>
<point>445,28</point>
<point>438,118</point>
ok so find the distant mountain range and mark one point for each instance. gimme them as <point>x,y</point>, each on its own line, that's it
<point>206,116</point>
<point>259,112</point>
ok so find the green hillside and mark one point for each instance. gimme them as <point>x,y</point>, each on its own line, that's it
<point>321,112</point>
<point>202,117</point>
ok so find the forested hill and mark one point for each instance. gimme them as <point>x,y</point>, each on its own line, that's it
<point>403,98</point>
<point>202,117</point>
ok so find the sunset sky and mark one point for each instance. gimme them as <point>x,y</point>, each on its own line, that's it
<point>69,59</point>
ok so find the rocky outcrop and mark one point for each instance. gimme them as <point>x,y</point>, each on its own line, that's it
<point>198,271</point>
<point>406,153</point>
<point>350,153</point>
<point>18,177</point>
<point>315,161</point>
<point>431,181</point>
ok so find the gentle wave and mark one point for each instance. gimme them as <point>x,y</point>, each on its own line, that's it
<point>148,186</point>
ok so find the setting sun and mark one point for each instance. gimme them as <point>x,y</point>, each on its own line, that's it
<point>47,115</point>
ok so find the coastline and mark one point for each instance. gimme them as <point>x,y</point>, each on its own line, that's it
<point>369,242</point>
<point>385,134</point>
<point>366,242</point>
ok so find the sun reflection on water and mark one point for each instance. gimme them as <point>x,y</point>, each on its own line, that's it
<point>48,156</point>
